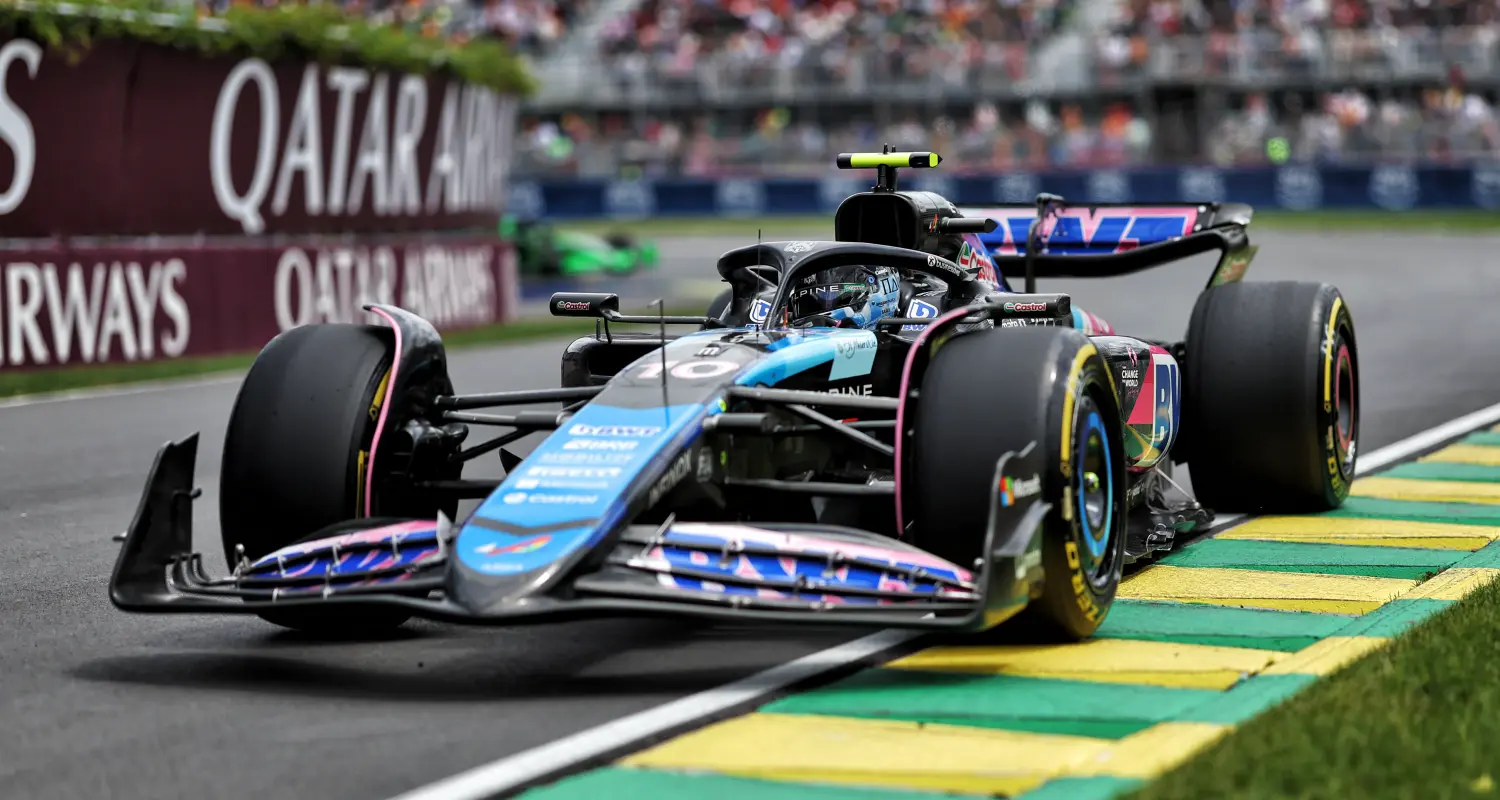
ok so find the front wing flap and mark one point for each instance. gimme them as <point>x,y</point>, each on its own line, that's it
<point>747,572</point>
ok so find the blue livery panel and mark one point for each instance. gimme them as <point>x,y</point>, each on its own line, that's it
<point>577,484</point>
<point>1086,231</point>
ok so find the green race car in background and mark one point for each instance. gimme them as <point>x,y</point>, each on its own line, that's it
<point>544,249</point>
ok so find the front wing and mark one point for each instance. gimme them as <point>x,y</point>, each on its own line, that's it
<point>746,572</point>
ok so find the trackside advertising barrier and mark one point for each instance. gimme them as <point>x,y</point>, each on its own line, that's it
<point>112,303</point>
<point>1290,187</point>
<point>224,199</point>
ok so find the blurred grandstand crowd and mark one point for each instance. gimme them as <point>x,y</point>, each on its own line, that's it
<point>1327,80</point>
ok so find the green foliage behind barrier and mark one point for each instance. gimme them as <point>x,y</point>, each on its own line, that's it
<point>320,32</point>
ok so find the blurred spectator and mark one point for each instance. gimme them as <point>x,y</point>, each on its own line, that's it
<point>775,142</point>
<point>1442,125</point>
<point>836,41</point>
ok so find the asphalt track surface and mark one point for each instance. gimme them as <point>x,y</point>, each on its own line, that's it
<point>95,703</point>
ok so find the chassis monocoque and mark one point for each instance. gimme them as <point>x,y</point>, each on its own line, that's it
<point>950,472</point>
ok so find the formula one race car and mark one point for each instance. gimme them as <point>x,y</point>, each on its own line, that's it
<point>808,454</point>
<point>542,249</point>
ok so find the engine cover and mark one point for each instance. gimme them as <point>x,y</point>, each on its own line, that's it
<point>1149,386</point>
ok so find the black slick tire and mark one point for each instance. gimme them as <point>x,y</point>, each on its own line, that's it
<point>295,448</point>
<point>1271,398</point>
<point>989,392</point>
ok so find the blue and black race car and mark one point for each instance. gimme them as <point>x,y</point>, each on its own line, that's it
<point>875,430</point>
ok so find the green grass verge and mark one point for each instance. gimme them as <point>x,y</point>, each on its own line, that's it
<point>785,227</point>
<point>1419,718</point>
<point>36,381</point>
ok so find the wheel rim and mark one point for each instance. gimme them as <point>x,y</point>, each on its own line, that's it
<point>1344,399</point>
<point>1093,495</point>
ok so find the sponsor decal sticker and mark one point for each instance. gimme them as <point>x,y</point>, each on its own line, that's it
<point>517,498</point>
<point>862,389</point>
<point>601,444</point>
<point>574,472</point>
<point>919,309</point>
<point>668,481</point>
<point>800,247</point>
<point>536,483</point>
<point>759,310</point>
<point>585,458</point>
<point>571,305</point>
<point>848,347</point>
<point>633,431</point>
<point>1025,306</point>
<point>524,546</point>
<point>1012,490</point>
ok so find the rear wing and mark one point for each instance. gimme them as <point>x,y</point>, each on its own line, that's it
<point>1100,240</point>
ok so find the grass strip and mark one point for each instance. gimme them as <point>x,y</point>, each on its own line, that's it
<point>80,377</point>
<point>1417,719</point>
<point>775,228</point>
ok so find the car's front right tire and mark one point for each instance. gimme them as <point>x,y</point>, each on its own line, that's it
<point>989,392</point>
<point>295,452</point>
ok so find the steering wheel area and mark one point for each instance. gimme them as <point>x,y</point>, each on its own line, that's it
<point>794,261</point>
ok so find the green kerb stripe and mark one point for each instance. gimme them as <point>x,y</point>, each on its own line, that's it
<point>1490,438</point>
<point>1487,556</point>
<point>1332,559</point>
<point>1196,623</point>
<point>1247,699</point>
<point>1440,471</point>
<point>618,783</point>
<point>1459,513</point>
<point>1005,702</point>
<point>1081,789</point>
<point>1395,617</point>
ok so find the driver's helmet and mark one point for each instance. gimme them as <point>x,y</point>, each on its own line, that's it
<point>850,297</point>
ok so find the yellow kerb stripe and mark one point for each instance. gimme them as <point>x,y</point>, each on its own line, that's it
<point>1154,751</point>
<point>1102,660</point>
<point>892,754</point>
<point>1287,591</point>
<point>1328,655</point>
<point>1372,532</point>
<point>1483,455</point>
<point>1427,491</point>
<point>1453,584</point>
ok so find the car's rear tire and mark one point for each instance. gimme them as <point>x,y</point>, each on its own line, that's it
<point>1271,398</point>
<point>295,451</point>
<point>993,391</point>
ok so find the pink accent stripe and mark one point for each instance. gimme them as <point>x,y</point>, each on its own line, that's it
<point>911,354</point>
<point>367,536</point>
<point>385,408</point>
<point>811,544</point>
<point>1144,411</point>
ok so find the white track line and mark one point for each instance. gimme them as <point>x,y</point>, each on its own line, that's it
<point>1428,439</point>
<point>507,773</point>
